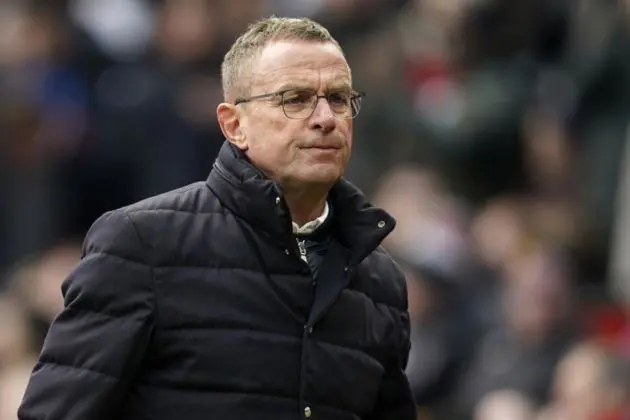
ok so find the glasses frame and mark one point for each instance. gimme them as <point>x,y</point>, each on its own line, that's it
<point>356,96</point>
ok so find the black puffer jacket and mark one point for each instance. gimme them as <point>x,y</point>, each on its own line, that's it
<point>195,305</point>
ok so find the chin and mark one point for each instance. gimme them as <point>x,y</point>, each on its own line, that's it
<point>322,174</point>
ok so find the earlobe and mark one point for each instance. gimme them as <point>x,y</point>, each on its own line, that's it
<point>228,117</point>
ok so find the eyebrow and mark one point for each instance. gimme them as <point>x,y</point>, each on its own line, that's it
<point>334,88</point>
<point>291,86</point>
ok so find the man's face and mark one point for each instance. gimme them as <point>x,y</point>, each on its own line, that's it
<point>298,152</point>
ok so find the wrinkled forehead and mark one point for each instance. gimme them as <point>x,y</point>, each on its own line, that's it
<point>314,78</point>
<point>321,66</point>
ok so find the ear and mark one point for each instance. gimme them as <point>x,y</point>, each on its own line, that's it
<point>229,118</point>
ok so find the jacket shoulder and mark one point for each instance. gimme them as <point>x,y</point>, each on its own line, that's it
<point>384,279</point>
<point>159,215</point>
<point>191,198</point>
<point>172,227</point>
<point>113,233</point>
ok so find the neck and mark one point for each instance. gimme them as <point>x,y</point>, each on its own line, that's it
<point>305,205</point>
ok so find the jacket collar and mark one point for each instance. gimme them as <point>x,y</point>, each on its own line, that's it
<point>250,195</point>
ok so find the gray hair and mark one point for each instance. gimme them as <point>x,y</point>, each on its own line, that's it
<point>238,60</point>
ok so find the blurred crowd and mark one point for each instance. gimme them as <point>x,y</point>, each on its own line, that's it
<point>493,130</point>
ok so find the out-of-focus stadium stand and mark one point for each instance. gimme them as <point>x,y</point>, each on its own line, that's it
<point>495,131</point>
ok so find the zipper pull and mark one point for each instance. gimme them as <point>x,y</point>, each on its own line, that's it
<point>302,248</point>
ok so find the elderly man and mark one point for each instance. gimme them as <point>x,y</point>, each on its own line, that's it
<point>261,293</point>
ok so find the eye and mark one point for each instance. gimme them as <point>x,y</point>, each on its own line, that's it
<point>339,98</point>
<point>297,97</point>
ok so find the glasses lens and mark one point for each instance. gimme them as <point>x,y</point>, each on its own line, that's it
<point>298,103</point>
<point>301,103</point>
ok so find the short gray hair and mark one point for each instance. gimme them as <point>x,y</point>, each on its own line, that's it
<point>258,35</point>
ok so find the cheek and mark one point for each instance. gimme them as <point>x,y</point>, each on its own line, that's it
<point>346,131</point>
<point>271,140</point>
<point>263,126</point>
<point>349,140</point>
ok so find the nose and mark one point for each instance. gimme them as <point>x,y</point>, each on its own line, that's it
<point>323,118</point>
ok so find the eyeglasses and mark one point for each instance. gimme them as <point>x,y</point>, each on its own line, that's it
<point>299,104</point>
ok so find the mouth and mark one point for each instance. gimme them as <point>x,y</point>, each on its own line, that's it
<point>323,147</point>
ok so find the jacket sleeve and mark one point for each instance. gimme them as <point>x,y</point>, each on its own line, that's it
<point>95,345</point>
<point>395,400</point>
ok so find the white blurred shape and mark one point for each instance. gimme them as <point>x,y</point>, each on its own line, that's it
<point>121,28</point>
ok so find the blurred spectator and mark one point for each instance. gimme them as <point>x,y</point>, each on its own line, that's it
<point>17,351</point>
<point>15,340</point>
<point>37,283</point>
<point>12,386</point>
<point>532,331</point>
<point>443,332</point>
<point>591,383</point>
<point>504,405</point>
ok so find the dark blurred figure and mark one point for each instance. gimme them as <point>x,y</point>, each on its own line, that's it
<point>43,121</point>
<point>430,245</point>
<point>531,333</point>
<point>471,68</point>
<point>443,332</point>
<point>153,114</point>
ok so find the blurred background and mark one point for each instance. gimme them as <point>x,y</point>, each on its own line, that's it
<point>495,131</point>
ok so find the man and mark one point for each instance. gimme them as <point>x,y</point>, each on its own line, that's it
<point>260,294</point>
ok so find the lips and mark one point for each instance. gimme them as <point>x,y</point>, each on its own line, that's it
<point>327,146</point>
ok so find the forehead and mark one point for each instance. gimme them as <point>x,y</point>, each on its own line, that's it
<point>301,63</point>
